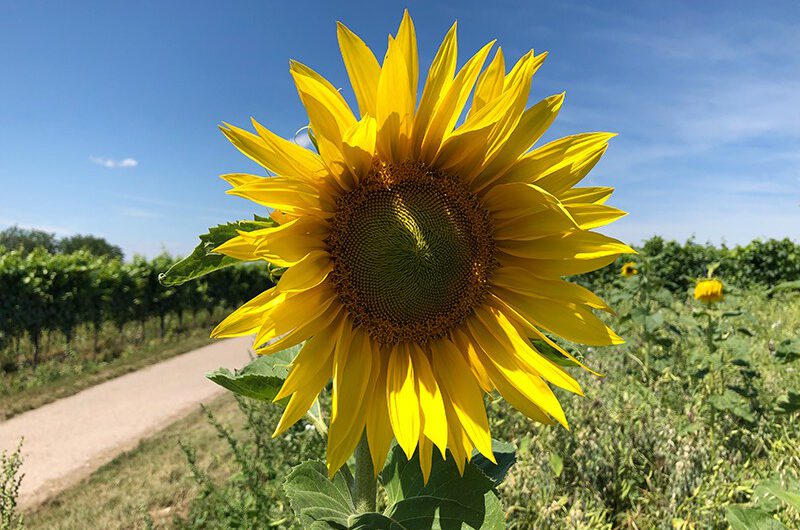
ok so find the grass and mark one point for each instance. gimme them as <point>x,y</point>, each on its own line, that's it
<point>63,373</point>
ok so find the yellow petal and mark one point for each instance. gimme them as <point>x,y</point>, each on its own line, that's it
<point>291,310</point>
<point>359,146</point>
<point>531,126</point>
<point>395,106</point>
<point>594,194</point>
<point>431,405</point>
<point>490,82</point>
<point>540,224</point>
<point>352,376</point>
<point>307,273</point>
<point>532,331</point>
<point>568,320</point>
<point>469,351</point>
<point>402,398</point>
<point>439,80</point>
<point>330,118</point>
<point>239,179</point>
<point>425,457</point>
<point>314,359</point>
<point>283,245</point>
<point>561,164</point>
<point>594,215</point>
<point>577,244</point>
<point>247,319</point>
<point>407,43</point>
<point>301,332</point>
<point>379,428</point>
<point>556,268</point>
<point>362,67</point>
<point>511,343</point>
<point>451,104</point>
<point>289,195</point>
<point>510,202</point>
<point>513,381</point>
<point>523,281</point>
<point>463,393</point>
<point>277,155</point>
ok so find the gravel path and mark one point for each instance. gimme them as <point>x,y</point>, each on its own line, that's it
<point>68,439</point>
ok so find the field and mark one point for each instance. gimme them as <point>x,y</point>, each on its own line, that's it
<point>693,425</point>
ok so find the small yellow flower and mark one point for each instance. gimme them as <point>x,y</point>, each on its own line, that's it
<point>629,269</point>
<point>423,253</point>
<point>708,290</point>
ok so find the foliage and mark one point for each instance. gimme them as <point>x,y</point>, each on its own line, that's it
<point>27,239</point>
<point>44,292</point>
<point>10,480</point>
<point>676,265</point>
<point>96,246</point>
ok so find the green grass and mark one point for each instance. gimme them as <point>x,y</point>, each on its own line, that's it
<point>651,445</point>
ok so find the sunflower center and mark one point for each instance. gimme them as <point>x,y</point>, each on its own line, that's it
<point>412,252</point>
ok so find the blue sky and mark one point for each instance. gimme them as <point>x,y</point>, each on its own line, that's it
<point>108,110</point>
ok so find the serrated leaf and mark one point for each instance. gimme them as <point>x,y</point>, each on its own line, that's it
<point>447,501</point>
<point>261,379</point>
<point>203,260</point>
<point>744,518</point>
<point>318,501</point>
<point>653,322</point>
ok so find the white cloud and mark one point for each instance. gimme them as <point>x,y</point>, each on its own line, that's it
<point>302,139</point>
<point>113,163</point>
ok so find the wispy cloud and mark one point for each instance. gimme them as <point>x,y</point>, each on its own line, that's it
<point>302,139</point>
<point>138,213</point>
<point>112,163</point>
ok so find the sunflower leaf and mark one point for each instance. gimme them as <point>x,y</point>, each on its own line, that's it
<point>506,456</point>
<point>744,518</point>
<point>261,379</point>
<point>203,259</point>
<point>448,500</point>
<point>318,501</point>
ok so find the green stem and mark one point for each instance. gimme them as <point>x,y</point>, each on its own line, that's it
<point>365,487</point>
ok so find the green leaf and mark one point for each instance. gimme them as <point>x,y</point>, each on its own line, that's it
<point>203,259</point>
<point>788,403</point>
<point>788,350</point>
<point>317,501</point>
<point>790,498</point>
<point>556,464</point>
<point>653,322</point>
<point>552,354</point>
<point>504,453</point>
<point>261,379</point>
<point>743,518</point>
<point>447,501</point>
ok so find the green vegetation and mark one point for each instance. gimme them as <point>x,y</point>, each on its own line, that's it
<point>68,321</point>
<point>10,480</point>
<point>695,424</point>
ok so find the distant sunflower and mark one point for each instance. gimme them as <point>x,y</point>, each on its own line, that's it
<point>423,256</point>
<point>708,290</point>
<point>629,269</point>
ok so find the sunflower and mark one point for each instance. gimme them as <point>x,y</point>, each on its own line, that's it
<point>422,257</point>
<point>629,269</point>
<point>708,290</point>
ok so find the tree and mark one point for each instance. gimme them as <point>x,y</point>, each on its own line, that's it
<point>27,239</point>
<point>96,246</point>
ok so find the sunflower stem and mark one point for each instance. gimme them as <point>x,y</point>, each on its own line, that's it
<point>365,487</point>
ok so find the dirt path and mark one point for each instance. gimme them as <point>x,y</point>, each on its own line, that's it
<point>68,439</point>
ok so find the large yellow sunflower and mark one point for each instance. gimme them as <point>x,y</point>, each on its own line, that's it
<point>423,255</point>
